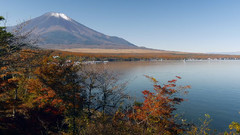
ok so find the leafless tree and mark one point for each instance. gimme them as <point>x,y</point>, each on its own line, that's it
<point>104,91</point>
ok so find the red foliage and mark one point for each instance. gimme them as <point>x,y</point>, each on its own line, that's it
<point>173,81</point>
<point>178,77</point>
<point>155,113</point>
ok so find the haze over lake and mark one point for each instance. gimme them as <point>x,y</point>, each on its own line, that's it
<point>215,86</point>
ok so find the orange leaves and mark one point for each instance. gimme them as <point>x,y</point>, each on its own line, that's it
<point>57,101</point>
<point>187,87</point>
<point>173,81</point>
<point>46,96</point>
<point>3,68</point>
<point>26,54</point>
<point>146,92</point>
<point>50,93</point>
<point>34,86</point>
<point>13,80</point>
<point>169,85</point>
<point>155,113</point>
<point>42,96</point>
<point>178,77</point>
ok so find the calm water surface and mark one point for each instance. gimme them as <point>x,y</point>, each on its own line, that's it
<point>215,86</point>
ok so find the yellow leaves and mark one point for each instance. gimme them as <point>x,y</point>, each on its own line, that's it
<point>235,126</point>
<point>151,78</point>
<point>207,116</point>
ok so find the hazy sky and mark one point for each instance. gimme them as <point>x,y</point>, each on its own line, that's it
<point>180,25</point>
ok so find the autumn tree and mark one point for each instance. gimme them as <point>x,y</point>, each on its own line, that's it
<point>155,114</point>
<point>11,60</point>
<point>235,129</point>
<point>17,61</point>
<point>61,75</point>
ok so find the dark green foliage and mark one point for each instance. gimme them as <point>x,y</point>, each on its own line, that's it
<point>5,40</point>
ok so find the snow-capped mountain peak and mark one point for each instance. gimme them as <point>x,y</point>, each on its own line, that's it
<point>57,30</point>
<point>58,15</point>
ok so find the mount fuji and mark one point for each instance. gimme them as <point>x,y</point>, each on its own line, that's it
<point>58,31</point>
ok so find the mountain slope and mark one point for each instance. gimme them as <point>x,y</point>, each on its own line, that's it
<point>56,30</point>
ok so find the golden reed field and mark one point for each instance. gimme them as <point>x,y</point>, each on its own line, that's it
<point>138,54</point>
<point>117,51</point>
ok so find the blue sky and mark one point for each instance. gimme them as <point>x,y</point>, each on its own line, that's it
<point>179,25</point>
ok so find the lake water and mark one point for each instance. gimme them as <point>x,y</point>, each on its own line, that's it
<point>215,86</point>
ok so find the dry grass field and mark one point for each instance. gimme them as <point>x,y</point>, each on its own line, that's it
<point>118,51</point>
<point>136,54</point>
